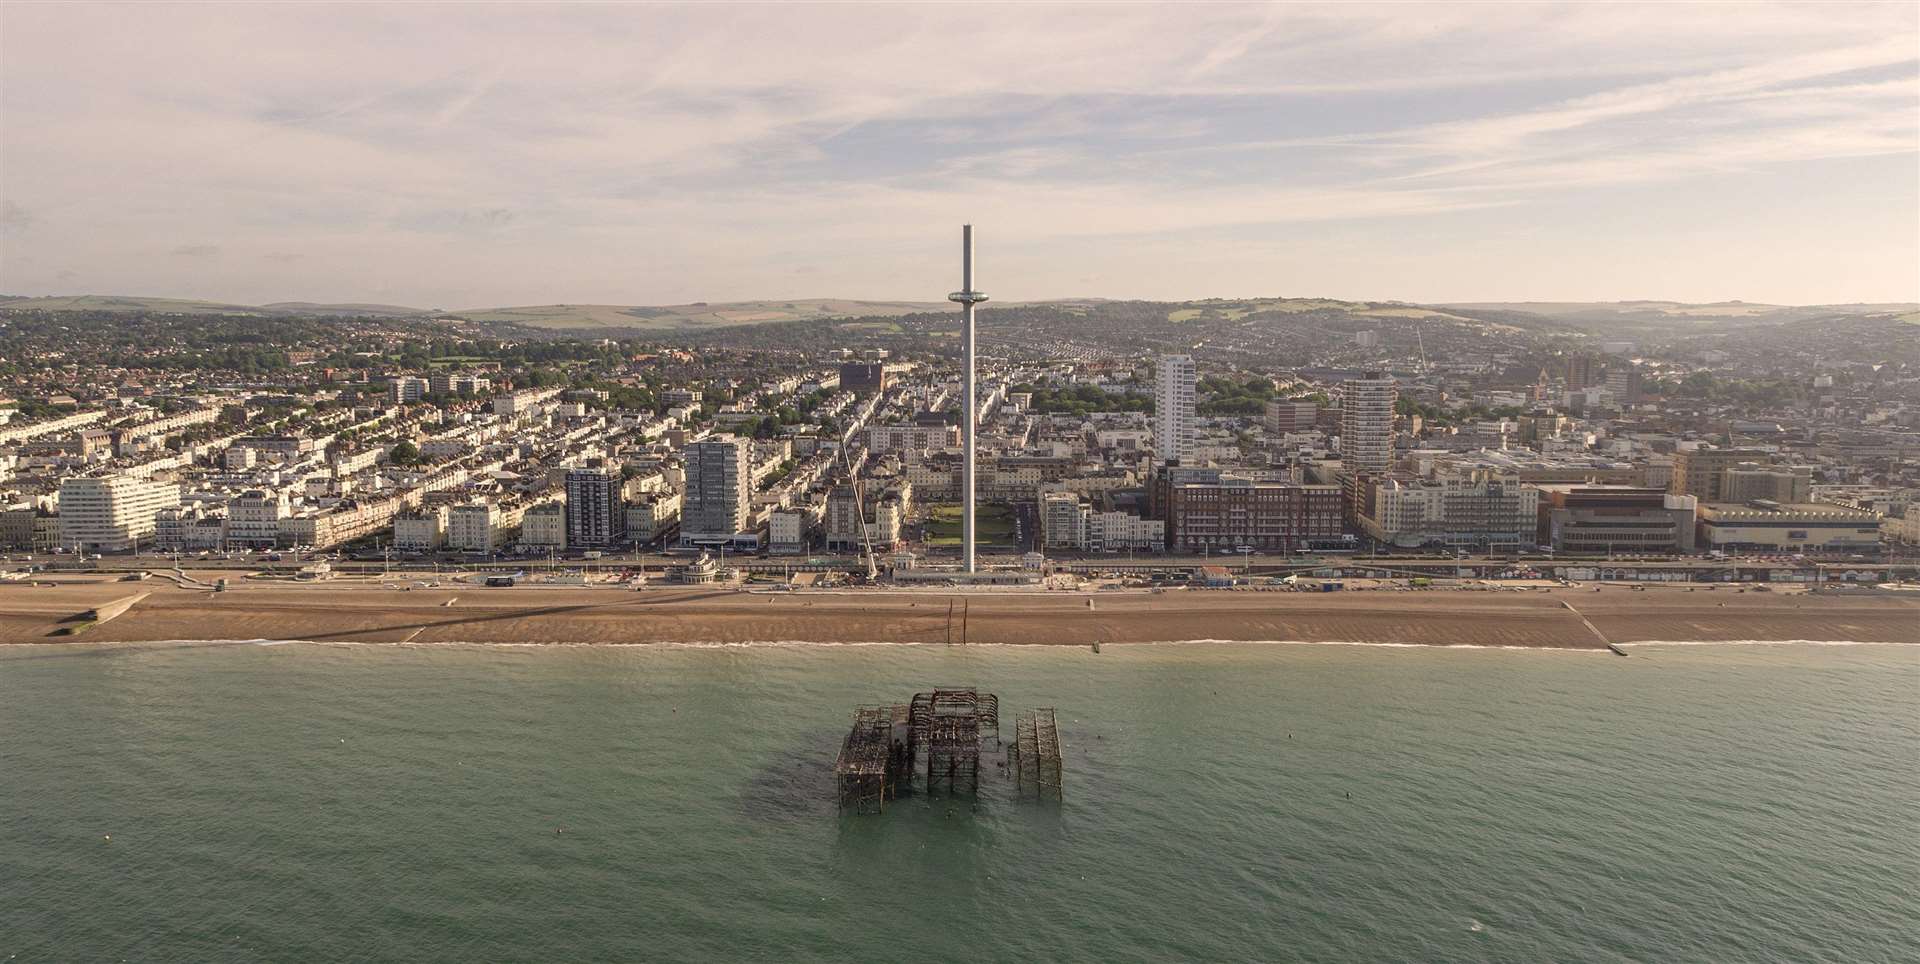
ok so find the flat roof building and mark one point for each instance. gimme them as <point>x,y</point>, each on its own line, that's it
<point>719,499</point>
<point>1615,519</point>
<point>1701,473</point>
<point>1775,526</point>
<point>1174,420</point>
<point>863,378</point>
<point>596,512</point>
<point>1366,423</point>
<point>111,514</point>
<point>1235,511</point>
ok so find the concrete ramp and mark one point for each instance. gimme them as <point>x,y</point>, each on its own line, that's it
<point>100,614</point>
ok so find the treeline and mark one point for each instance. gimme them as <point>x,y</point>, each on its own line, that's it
<point>1227,396</point>
<point>1083,400</point>
<point>1747,391</point>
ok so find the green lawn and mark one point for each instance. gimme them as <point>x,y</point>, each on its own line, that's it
<point>993,525</point>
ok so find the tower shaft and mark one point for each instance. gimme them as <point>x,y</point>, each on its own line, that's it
<point>970,413</point>
<point>970,400</point>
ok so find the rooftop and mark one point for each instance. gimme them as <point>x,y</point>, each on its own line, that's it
<point>1764,510</point>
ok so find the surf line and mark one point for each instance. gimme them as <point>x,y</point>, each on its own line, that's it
<point>1595,630</point>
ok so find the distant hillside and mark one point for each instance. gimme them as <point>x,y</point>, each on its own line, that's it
<point>555,318</point>
<point>697,315</point>
<point>129,303</point>
<point>183,306</point>
<point>310,308</point>
<point>1234,308</point>
<point>1604,315</point>
<point>1621,317</point>
<point>1227,331</point>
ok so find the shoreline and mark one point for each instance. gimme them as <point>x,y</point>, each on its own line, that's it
<point>1580,619</point>
<point>866,644</point>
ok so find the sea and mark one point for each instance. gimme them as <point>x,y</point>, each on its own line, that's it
<point>240,801</point>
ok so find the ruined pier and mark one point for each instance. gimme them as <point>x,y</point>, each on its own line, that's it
<point>935,740</point>
<point>1033,758</point>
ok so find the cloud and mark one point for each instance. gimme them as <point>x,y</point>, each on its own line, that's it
<point>457,221</point>
<point>465,100</point>
<point>13,217</point>
<point>502,152</point>
<point>196,251</point>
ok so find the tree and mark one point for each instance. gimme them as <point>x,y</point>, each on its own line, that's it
<point>1083,400</point>
<point>1224,396</point>
<point>405,453</point>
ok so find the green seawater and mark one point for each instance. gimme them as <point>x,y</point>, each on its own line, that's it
<point>1223,802</point>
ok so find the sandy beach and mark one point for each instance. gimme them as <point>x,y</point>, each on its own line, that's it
<point>366,612</point>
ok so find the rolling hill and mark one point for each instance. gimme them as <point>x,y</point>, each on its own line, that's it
<point>1603,318</point>
<point>556,318</point>
<point>680,317</point>
<point>187,306</point>
<point>1599,316</point>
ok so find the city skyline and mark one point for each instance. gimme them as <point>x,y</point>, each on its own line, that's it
<point>664,155</point>
<point>487,478</point>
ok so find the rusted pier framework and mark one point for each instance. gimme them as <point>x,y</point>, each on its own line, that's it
<point>1034,755</point>
<point>948,725</point>
<point>935,737</point>
<point>876,759</point>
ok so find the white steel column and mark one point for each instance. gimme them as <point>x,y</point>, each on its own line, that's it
<point>970,402</point>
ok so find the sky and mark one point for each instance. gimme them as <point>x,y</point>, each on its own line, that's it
<point>449,156</point>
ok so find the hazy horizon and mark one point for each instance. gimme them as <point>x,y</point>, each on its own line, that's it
<point>478,156</point>
<point>933,304</point>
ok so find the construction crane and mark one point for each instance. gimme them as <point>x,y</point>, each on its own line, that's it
<point>859,512</point>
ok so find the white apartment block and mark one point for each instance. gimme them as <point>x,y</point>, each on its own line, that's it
<point>1174,417</point>
<point>1068,523</point>
<point>1063,521</point>
<point>520,402</point>
<point>111,514</point>
<point>406,389</point>
<point>1366,423</point>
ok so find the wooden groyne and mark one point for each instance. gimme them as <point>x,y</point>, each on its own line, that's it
<point>1595,630</point>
